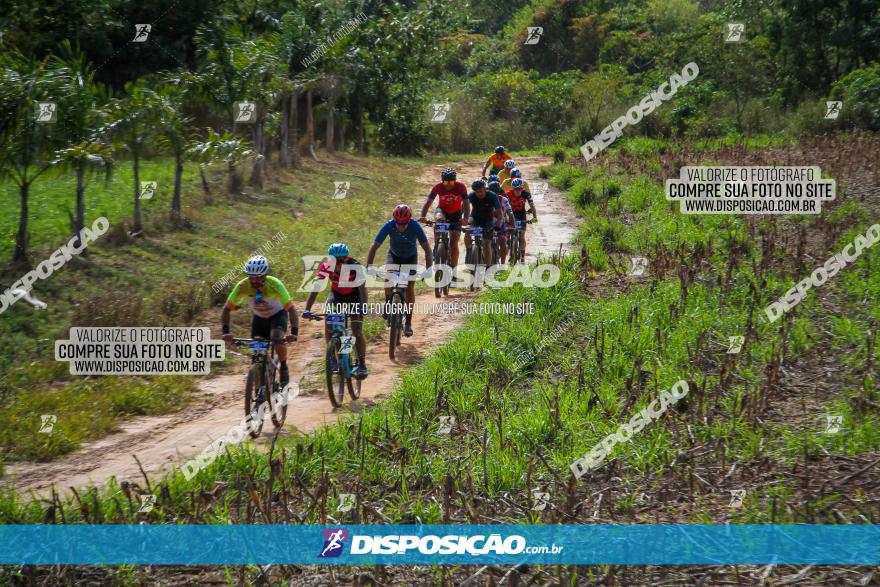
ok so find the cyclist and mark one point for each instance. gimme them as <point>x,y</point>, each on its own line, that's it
<point>518,197</point>
<point>505,173</point>
<point>506,219</point>
<point>514,173</point>
<point>485,213</point>
<point>452,204</point>
<point>348,300</point>
<point>496,161</point>
<point>272,307</point>
<point>404,233</point>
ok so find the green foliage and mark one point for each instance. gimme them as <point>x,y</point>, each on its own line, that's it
<point>860,92</point>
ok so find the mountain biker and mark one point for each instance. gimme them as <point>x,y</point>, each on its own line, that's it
<point>272,307</point>
<point>485,212</point>
<point>496,161</point>
<point>505,173</point>
<point>453,203</point>
<point>506,219</point>
<point>348,300</point>
<point>404,233</point>
<point>518,197</point>
<point>514,173</point>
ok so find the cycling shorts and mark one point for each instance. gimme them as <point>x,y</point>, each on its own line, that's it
<point>263,327</point>
<point>521,215</point>
<point>348,303</point>
<point>453,218</point>
<point>413,262</point>
<point>501,231</point>
<point>487,224</point>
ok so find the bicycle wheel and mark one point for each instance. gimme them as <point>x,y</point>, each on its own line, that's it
<point>446,263</point>
<point>251,409</point>
<point>396,323</point>
<point>514,248</point>
<point>335,380</point>
<point>354,384</point>
<point>438,260</point>
<point>277,406</point>
<point>477,257</point>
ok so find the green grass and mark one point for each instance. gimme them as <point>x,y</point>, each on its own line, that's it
<point>521,425</point>
<point>165,279</point>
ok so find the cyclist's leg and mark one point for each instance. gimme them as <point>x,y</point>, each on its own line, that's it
<point>501,237</point>
<point>360,342</point>
<point>521,215</point>
<point>454,236</point>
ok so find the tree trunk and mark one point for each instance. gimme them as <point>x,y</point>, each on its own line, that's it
<point>234,185</point>
<point>256,179</point>
<point>341,135</point>
<point>360,131</point>
<point>20,254</point>
<point>79,221</point>
<point>310,121</point>
<point>328,137</point>
<point>294,121</point>
<point>283,134</point>
<point>178,178</point>
<point>205,187</point>
<point>138,223</point>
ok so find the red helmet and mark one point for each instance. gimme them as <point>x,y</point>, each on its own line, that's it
<point>402,213</point>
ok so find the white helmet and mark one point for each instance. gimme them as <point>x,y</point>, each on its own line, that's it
<point>510,164</point>
<point>257,265</point>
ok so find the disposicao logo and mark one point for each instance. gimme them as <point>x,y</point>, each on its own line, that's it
<point>334,540</point>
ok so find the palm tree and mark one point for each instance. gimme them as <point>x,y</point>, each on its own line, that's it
<point>84,148</point>
<point>133,120</point>
<point>225,147</point>
<point>174,137</point>
<point>26,146</point>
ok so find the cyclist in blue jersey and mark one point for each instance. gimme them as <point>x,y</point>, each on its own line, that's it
<point>405,233</point>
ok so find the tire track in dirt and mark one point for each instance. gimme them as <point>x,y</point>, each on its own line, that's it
<point>162,442</point>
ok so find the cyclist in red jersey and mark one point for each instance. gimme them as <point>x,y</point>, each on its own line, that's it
<point>518,197</point>
<point>451,208</point>
<point>343,300</point>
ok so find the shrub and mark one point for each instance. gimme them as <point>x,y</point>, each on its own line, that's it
<point>860,92</point>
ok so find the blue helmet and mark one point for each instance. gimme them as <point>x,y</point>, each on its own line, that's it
<point>338,250</point>
<point>499,149</point>
<point>517,183</point>
<point>509,164</point>
<point>493,178</point>
<point>515,172</point>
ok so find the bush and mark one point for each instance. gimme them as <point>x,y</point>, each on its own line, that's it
<point>860,92</point>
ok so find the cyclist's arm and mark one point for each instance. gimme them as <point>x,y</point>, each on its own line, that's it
<point>294,320</point>
<point>486,166</point>
<point>311,299</point>
<point>497,211</point>
<point>224,318</point>
<point>362,290</point>
<point>533,210</point>
<point>427,205</point>
<point>428,253</point>
<point>371,255</point>
<point>465,209</point>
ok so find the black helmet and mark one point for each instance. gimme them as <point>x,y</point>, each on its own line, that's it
<point>448,174</point>
<point>499,149</point>
<point>495,187</point>
<point>478,184</point>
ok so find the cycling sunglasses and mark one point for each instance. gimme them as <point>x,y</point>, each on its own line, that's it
<point>448,182</point>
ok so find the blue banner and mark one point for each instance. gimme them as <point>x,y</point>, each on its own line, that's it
<point>806,544</point>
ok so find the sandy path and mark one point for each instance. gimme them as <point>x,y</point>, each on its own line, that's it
<point>161,442</point>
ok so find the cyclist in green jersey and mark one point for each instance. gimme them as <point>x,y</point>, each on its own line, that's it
<point>272,306</point>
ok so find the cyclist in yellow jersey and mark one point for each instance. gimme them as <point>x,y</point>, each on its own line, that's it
<point>272,307</point>
<point>514,173</point>
<point>505,173</point>
<point>496,161</point>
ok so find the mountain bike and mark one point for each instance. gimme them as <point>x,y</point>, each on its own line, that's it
<point>340,368</point>
<point>475,251</point>
<point>396,311</point>
<point>516,255</point>
<point>263,368</point>
<point>441,255</point>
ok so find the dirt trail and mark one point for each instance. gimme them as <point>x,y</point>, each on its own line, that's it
<point>162,442</point>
